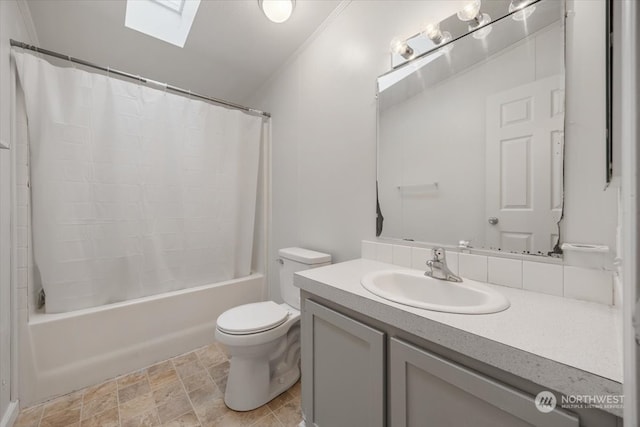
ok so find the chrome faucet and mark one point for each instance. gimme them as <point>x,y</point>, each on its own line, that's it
<point>439,269</point>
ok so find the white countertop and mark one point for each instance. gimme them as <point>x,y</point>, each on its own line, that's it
<point>567,345</point>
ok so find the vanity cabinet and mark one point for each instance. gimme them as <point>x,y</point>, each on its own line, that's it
<point>359,372</point>
<point>343,367</point>
<point>427,390</point>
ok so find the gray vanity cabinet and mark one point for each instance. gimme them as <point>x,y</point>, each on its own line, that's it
<point>343,367</point>
<point>426,390</point>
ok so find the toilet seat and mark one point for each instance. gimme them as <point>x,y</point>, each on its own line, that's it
<point>252,318</point>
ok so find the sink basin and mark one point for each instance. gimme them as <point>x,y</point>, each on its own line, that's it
<point>417,290</point>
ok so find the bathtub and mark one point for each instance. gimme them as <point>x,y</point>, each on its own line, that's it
<point>64,352</point>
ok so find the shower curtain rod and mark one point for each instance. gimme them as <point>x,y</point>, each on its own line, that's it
<point>135,77</point>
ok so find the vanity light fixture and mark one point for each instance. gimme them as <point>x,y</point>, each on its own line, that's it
<point>277,11</point>
<point>472,15</point>
<point>433,33</point>
<point>401,48</point>
<point>523,9</point>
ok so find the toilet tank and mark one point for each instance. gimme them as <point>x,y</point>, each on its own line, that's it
<point>297,259</point>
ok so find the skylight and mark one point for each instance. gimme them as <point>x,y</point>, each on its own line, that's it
<point>167,20</point>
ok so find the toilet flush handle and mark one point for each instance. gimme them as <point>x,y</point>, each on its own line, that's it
<point>280,261</point>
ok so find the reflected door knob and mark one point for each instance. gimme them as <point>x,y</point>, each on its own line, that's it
<point>493,220</point>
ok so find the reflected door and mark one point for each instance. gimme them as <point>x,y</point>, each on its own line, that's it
<point>524,143</point>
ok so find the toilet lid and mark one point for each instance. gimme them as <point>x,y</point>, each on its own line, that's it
<point>252,318</point>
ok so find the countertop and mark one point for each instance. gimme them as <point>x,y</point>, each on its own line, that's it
<point>567,345</point>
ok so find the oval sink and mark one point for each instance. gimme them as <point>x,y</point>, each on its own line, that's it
<point>417,290</point>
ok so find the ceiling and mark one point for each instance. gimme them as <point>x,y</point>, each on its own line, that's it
<point>231,51</point>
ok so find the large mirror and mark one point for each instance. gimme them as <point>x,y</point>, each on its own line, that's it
<point>470,137</point>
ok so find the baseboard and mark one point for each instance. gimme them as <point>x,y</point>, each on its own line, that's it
<point>11,415</point>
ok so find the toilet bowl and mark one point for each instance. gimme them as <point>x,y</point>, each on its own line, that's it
<point>263,339</point>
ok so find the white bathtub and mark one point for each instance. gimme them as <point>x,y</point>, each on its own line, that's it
<point>64,352</point>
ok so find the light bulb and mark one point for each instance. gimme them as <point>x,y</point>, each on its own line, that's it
<point>401,48</point>
<point>522,9</point>
<point>469,11</point>
<point>277,11</point>
<point>433,33</point>
<point>482,22</point>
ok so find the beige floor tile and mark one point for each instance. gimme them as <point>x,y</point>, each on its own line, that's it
<point>174,408</point>
<point>211,355</point>
<point>168,393</point>
<point>108,418</point>
<point>295,389</point>
<point>146,419</point>
<point>101,404</point>
<point>289,414</point>
<point>132,378</point>
<point>61,418</point>
<point>165,366</point>
<point>188,369</point>
<point>30,417</point>
<point>185,358</point>
<point>197,381</point>
<point>162,378</point>
<point>268,421</point>
<point>134,390</point>
<point>63,403</point>
<point>186,420</point>
<point>276,403</point>
<point>99,390</point>
<point>208,410</point>
<point>219,371</point>
<point>137,406</point>
<point>222,384</point>
<point>248,418</point>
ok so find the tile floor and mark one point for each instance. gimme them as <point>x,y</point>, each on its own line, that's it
<point>184,391</point>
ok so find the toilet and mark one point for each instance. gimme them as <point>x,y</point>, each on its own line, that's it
<point>263,338</point>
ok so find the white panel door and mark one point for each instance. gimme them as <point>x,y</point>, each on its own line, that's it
<point>524,142</point>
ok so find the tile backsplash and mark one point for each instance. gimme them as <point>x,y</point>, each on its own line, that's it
<point>554,278</point>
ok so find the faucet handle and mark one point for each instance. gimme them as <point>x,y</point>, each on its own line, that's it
<point>439,254</point>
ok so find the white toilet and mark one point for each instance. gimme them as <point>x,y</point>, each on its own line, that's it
<point>263,338</point>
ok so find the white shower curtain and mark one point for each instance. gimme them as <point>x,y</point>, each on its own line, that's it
<point>135,191</point>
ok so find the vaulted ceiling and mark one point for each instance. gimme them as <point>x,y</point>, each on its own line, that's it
<point>231,51</point>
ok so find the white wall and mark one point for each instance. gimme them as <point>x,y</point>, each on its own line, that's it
<point>324,132</point>
<point>324,128</point>
<point>15,22</point>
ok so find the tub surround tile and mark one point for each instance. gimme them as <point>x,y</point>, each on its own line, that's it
<point>588,285</point>
<point>542,277</point>
<point>505,272</point>
<point>402,255</point>
<point>473,266</point>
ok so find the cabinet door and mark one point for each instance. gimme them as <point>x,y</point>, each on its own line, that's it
<point>427,390</point>
<point>342,370</point>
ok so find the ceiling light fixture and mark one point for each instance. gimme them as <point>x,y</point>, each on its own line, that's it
<point>277,11</point>
<point>472,15</point>
<point>522,9</point>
